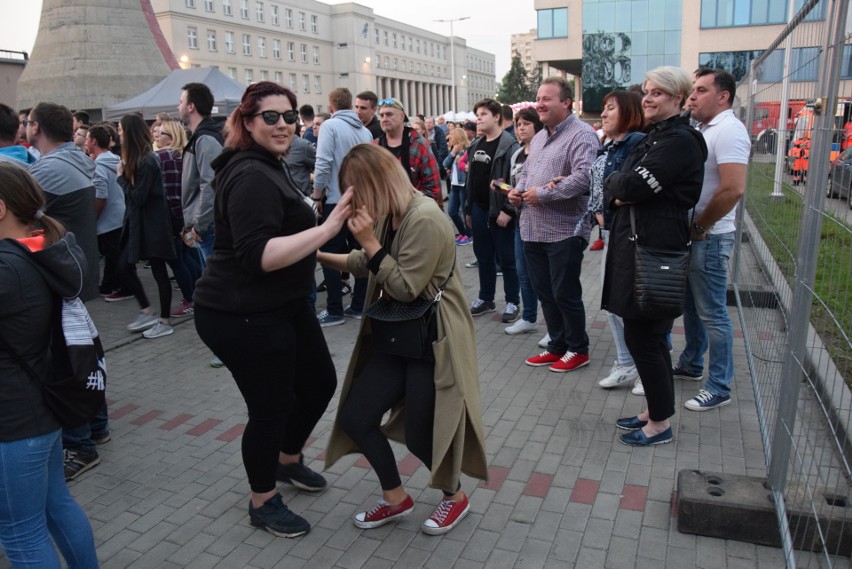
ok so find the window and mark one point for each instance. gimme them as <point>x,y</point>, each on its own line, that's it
<point>264,75</point>
<point>229,42</point>
<point>395,63</point>
<point>306,83</point>
<point>319,108</point>
<point>192,37</point>
<point>729,13</point>
<point>387,62</point>
<point>273,10</point>
<point>226,9</point>
<point>410,44</point>
<point>402,42</point>
<point>293,82</point>
<point>418,46</point>
<point>291,51</point>
<point>303,50</point>
<point>378,35</point>
<point>288,17</point>
<point>276,49</point>
<point>279,77</point>
<point>302,21</point>
<point>316,55</point>
<point>552,23</point>
<point>258,11</point>
<point>393,40</point>
<point>317,84</point>
<point>314,24</point>
<point>385,36</point>
<point>244,9</point>
<point>190,3</point>
<point>232,73</point>
<point>249,77</point>
<point>261,46</point>
<point>208,5</point>
<point>211,40</point>
<point>246,44</point>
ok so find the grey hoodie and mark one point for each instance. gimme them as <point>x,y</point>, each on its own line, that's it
<point>65,174</point>
<point>337,135</point>
<point>107,188</point>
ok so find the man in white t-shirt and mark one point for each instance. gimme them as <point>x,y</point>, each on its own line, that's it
<point>706,319</point>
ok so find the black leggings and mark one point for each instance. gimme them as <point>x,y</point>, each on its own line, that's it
<point>130,282</point>
<point>385,381</point>
<point>646,341</point>
<point>282,366</point>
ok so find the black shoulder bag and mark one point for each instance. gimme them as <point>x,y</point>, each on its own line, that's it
<point>659,283</point>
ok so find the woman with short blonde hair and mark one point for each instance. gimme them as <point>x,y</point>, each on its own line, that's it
<point>458,143</point>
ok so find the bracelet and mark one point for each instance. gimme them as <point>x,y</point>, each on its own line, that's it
<point>698,229</point>
<point>317,199</point>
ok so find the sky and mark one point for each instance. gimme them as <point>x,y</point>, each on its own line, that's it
<point>489,27</point>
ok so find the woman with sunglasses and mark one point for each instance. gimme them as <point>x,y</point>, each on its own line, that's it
<point>251,304</point>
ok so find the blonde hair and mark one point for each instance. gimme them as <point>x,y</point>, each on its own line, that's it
<point>177,133</point>
<point>673,80</point>
<point>379,182</point>
<point>458,136</point>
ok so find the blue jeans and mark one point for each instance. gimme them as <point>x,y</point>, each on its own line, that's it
<point>206,245</point>
<point>616,324</point>
<point>80,438</point>
<point>490,243</point>
<point>705,316</point>
<point>333,278</point>
<point>35,505</point>
<point>555,274</point>
<point>530,312</point>
<point>458,196</point>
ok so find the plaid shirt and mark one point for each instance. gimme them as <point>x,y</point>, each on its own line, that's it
<point>569,151</point>
<point>171,164</point>
<point>423,166</point>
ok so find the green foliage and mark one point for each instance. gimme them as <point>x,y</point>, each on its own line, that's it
<point>515,86</point>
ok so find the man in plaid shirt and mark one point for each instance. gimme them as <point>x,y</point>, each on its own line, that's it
<point>553,195</point>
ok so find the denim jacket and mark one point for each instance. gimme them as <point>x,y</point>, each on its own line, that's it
<point>449,161</point>
<point>611,156</point>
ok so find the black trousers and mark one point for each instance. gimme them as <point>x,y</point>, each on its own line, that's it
<point>283,369</point>
<point>646,341</point>
<point>109,245</point>
<point>385,381</point>
<point>130,282</point>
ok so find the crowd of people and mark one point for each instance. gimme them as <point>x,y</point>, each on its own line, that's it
<point>243,212</point>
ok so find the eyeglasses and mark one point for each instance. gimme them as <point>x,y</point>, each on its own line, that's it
<point>27,122</point>
<point>271,117</point>
<point>388,102</point>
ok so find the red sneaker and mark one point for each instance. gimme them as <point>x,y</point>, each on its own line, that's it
<point>597,245</point>
<point>543,359</point>
<point>570,361</point>
<point>383,513</point>
<point>446,516</point>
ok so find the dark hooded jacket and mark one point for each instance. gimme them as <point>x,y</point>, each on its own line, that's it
<point>147,229</point>
<point>29,285</point>
<point>662,176</point>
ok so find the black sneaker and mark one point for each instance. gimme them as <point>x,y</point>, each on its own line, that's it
<point>76,463</point>
<point>321,287</point>
<point>479,307</point>
<point>301,476</point>
<point>511,313</point>
<point>277,519</point>
<point>682,374</point>
<point>101,438</point>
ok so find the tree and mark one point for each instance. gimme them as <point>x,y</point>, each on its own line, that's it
<point>515,85</point>
<point>534,81</point>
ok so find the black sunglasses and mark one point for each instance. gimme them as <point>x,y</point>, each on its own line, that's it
<point>271,117</point>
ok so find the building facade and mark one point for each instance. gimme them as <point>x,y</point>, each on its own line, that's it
<point>613,43</point>
<point>522,45</point>
<point>312,48</point>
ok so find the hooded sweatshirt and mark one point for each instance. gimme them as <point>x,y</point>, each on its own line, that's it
<point>338,134</point>
<point>197,193</point>
<point>65,174</point>
<point>107,188</point>
<point>17,154</point>
<point>29,285</point>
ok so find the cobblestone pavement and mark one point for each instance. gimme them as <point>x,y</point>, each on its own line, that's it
<point>563,492</point>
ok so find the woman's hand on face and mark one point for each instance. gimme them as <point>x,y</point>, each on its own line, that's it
<point>361,225</point>
<point>341,211</point>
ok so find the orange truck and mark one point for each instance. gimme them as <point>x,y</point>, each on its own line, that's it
<point>764,124</point>
<point>800,147</point>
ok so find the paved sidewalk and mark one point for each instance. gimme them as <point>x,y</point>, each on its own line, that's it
<point>563,492</point>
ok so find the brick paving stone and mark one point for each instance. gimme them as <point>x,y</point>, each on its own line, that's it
<point>621,553</point>
<point>634,498</point>
<point>591,558</point>
<point>585,491</point>
<point>606,506</point>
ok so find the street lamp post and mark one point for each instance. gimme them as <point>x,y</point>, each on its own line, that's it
<point>453,60</point>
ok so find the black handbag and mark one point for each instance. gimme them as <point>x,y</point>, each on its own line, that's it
<point>659,283</point>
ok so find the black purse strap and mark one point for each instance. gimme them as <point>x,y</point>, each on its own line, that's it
<point>635,236</point>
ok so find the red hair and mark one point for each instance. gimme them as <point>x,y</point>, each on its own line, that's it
<point>237,135</point>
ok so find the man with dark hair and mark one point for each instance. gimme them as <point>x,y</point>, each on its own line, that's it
<point>10,150</point>
<point>469,129</point>
<point>705,317</point>
<point>339,133</point>
<point>80,118</point>
<point>508,119</point>
<point>438,142</point>
<point>365,107</point>
<point>489,212</point>
<point>553,196</point>
<point>80,137</point>
<point>205,144</point>
<point>65,174</point>
<point>306,113</point>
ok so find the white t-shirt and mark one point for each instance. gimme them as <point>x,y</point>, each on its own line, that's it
<point>728,142</point>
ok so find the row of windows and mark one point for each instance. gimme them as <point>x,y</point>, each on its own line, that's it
<point>260,13</point>
<point>804,66</point>
<point>552,23</point>
<point>479,64</point>
<point>626,16</point>
<point>230,47</point>
<point>413,45</point>
<point>729,13</point>
<point>410,66</point>
<point>249,78</point>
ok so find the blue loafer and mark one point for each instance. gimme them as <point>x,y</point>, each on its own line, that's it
<point>630,423</point>
<point>638,439</point>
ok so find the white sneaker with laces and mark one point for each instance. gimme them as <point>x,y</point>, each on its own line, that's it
<point>544,341</point>
<point>521,326</point>
<point>142,322</point>
<point>619,375</point>
<point>638,389</point>
<point>158,330</point>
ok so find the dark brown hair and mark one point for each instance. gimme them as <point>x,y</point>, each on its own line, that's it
<point>630,115</point>
<point>136,143</point>
<point>237,135</point>
<point>55,121</point>
<point>24,197</point>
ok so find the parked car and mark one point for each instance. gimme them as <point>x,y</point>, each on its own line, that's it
<point>840,177</point>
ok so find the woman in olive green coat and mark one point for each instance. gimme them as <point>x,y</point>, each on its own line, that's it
<point>408,252</point>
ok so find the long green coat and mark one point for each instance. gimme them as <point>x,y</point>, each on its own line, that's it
<point>418,263</point>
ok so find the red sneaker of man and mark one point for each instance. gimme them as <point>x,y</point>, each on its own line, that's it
<point>543,359</point>
<point>384,513</point>
<point>597,245</point>
<point>446,516</point>
<point>570,361</point>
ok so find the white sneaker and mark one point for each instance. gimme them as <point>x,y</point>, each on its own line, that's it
<point>143,322</point>
<point>618,375</point>
<point>158,330</point>
<point>521,326</point>
<point>544,341</point>
<point>638,389</point>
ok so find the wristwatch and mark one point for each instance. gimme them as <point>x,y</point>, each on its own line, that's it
<point>698,229</point>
